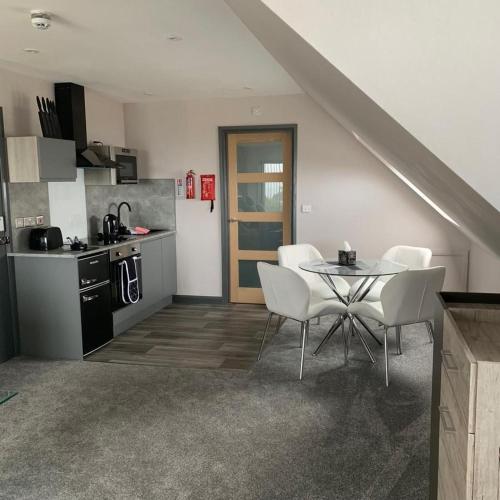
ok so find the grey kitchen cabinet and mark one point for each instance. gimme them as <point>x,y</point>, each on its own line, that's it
<point>169,259</point>
<point>152,263</point>
<point>159,282</point>
<point>41,159</point>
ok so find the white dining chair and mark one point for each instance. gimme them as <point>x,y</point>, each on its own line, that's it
<point>408,298</point>
<point>292,255</point>
<point>287,295</point>
<point>413,257</point>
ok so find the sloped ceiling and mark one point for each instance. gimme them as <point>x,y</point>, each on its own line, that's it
<point>372,126</point>
<point>124,49</point>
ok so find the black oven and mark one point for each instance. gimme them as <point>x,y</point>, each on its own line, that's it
<point>125,267</point>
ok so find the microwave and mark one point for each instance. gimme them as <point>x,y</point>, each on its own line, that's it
<point>126,173</point>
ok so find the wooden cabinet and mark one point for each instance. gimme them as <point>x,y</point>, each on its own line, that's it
<point>469,427</point>
<point>41,159</point>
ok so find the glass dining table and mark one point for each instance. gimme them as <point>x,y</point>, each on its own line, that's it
<point>368,272</point>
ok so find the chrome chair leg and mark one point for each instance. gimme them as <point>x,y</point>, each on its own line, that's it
<point>307,333</point>
<point>345,339</point>
<point>281,322</point>
<point>398,339</point>
<point>386,358</point>
<point>304,326</point>
<point>430,330</point>
<point>265,333</point>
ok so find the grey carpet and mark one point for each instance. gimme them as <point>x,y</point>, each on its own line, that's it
<point>80,430</point>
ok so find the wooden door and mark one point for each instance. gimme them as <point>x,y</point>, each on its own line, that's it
<point>259,206</point>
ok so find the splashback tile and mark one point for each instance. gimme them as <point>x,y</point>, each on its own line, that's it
<point>152,202</point>
<point>27,199</point>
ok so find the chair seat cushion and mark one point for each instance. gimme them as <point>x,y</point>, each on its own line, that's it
<point>322,307</point>
<point>372,310</point>
<point>321,290</point>
<point>373,295</point>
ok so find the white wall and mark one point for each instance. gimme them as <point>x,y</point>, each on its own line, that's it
<point>105,122</point>
<point>354,197</point>
<point>17,98</point>
<point>484,271</point>
<point>431,65</point>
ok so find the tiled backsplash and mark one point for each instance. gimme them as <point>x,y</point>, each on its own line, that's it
<point>152,202</point>
<point>27,199</point>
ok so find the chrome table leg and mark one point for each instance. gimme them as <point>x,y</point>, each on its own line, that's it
<point>363,341</point>
<point>368,329</point>
<point>332,330</point>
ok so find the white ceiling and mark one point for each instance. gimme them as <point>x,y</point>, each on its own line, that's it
<point>121,47</point>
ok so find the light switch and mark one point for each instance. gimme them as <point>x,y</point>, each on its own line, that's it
<point>39,220</point>
<point>19,222</point>
<point>306,209</point>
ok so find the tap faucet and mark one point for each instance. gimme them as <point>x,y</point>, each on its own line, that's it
<point>121,228</point>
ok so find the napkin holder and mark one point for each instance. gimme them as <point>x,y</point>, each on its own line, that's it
<point>347,257</point>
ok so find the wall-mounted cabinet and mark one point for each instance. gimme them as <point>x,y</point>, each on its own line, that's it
<point>41,159</point>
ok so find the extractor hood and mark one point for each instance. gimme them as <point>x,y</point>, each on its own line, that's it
<point>70,105</point>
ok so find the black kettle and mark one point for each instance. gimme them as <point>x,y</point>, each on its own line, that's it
<point>110,228</point>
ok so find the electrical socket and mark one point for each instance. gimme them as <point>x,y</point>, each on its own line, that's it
<point>19,222</point>
<point>29,221</point>
<point>39,220</point>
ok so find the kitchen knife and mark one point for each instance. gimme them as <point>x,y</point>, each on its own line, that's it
<point>55,120</point>
<point>41,116</point>
<point>48,119</point>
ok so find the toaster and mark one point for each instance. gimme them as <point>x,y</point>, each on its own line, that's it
<point>46,238</point>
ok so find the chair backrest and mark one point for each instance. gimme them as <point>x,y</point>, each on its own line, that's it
<point>413,257</point>
<point>292,255</point>
<point>410,296</point>
<point>285,292</point>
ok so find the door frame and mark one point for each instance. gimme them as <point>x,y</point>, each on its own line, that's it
<point>223,132</point>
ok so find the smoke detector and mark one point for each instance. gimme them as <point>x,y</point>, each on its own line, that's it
<point>40,20</point>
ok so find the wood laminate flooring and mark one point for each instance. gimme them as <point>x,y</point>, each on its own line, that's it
<point>191,336</point>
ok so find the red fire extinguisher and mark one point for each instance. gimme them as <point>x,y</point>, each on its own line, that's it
<point>190,192</point>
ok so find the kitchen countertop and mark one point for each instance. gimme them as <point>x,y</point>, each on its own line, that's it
<point>66,253</point>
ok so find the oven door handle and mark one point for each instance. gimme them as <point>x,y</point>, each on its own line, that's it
<point>89,298</point>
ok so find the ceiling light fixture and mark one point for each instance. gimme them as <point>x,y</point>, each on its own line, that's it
<point>247,88</point>
<point>174,38</point>
<point>40,20</point>
<point>31,51</point>
<point>149,94</point>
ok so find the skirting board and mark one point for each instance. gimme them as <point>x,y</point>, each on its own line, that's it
<point>198,299</point>
<point>125,325</point>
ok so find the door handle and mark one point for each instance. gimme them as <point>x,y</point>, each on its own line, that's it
<point>4,240</point>
<point>89,298</point>
<point>445,412</point>
<point>84,281</point>
<point>449,361</point>
<point>233,220</point>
